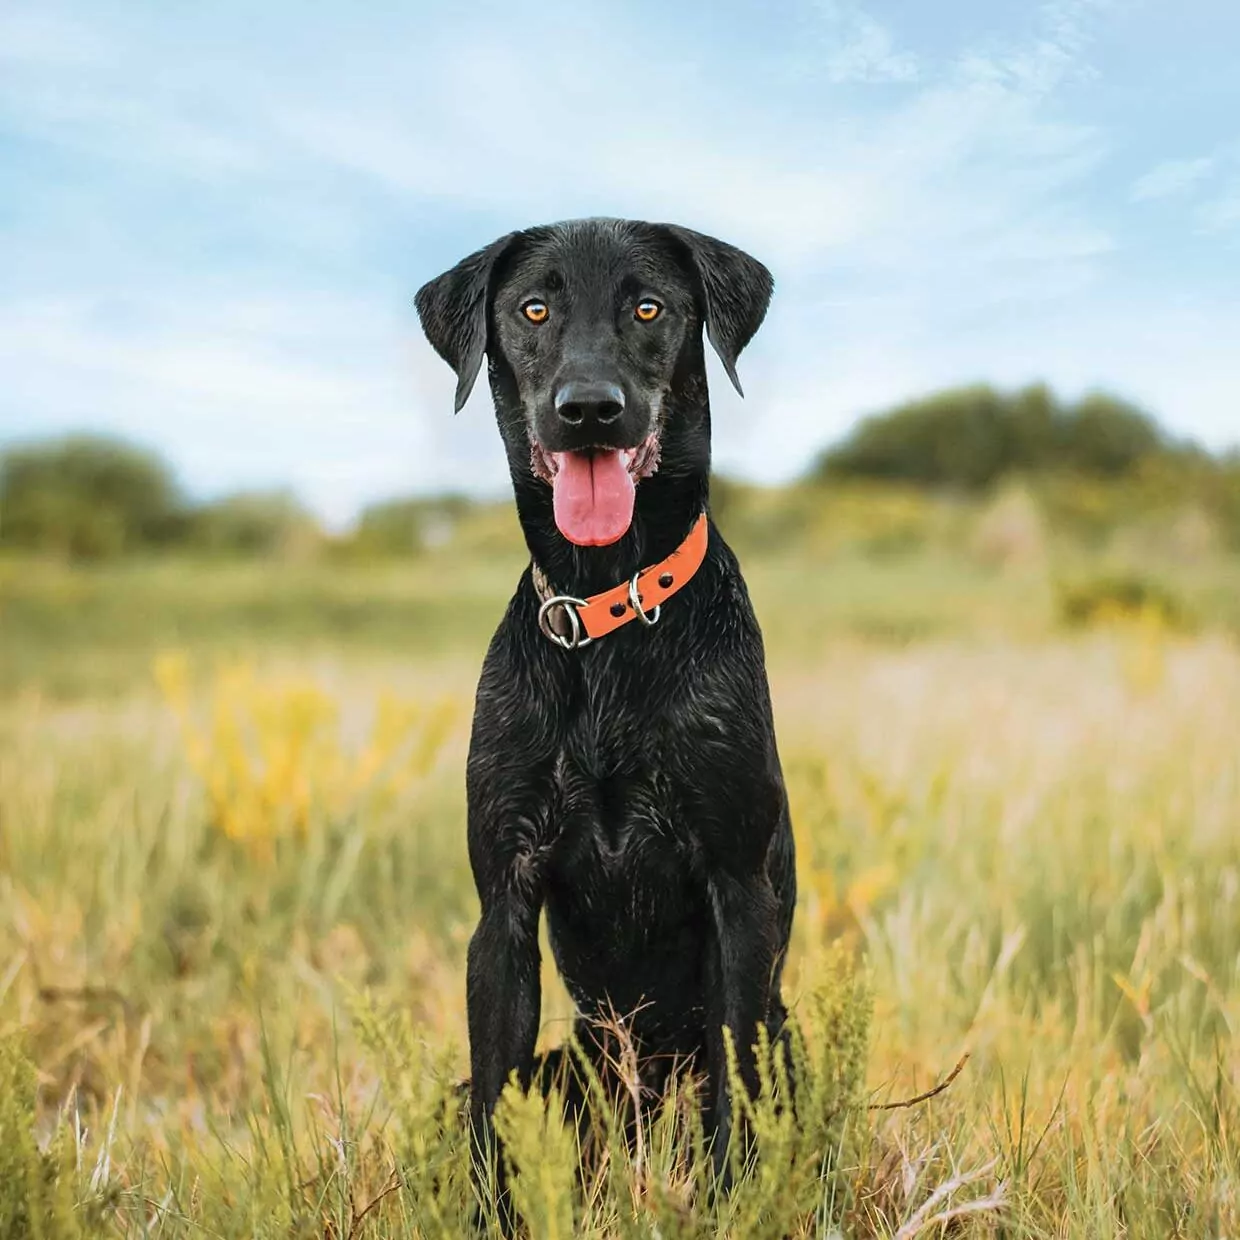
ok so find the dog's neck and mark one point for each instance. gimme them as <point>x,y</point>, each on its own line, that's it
<point>666,504</point>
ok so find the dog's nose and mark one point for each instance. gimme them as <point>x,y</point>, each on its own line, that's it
<point>581,402</point>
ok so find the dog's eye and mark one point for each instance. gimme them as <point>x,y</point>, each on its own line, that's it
<point>647,311</point>
<point>536,311</point>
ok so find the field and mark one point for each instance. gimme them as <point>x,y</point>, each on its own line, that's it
<point>234,905</point>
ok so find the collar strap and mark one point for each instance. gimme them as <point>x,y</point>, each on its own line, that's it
<point>574,622</point>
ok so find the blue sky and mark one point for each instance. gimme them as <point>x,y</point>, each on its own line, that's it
<point>213,217</point>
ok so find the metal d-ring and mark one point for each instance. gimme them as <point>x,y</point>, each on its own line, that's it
<point>570,605</point>
<point>648,619</point>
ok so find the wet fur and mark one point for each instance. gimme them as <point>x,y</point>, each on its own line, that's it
<point>631,788</point>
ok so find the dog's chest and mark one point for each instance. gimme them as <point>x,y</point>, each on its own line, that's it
<point>619,768</point>
<point>617,808</point>
<point>625,899</point>
<point>611,816</point>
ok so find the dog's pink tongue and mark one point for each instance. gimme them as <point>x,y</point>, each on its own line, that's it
<point>593,496</point>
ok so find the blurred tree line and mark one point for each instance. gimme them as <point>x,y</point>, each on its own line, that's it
<point>1091,466</point>
<point>88,497</point>
<point>92,497</point>
<point>969,438</point>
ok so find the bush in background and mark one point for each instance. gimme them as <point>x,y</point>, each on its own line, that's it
<point>1093,467</point>
<point>254,523</point>
<point>970,438</point>
<point>1122,598</point>
<point>409,526</point>
<point>86,497</point>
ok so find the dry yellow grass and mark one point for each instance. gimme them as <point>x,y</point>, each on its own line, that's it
<point>1035,847</point>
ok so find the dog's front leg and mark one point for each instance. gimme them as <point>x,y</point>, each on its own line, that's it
<point>503,997</point>
<point>509,788</point>
<point>742,969</point>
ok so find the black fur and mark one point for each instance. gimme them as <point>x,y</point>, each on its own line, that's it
<point>631,788</point>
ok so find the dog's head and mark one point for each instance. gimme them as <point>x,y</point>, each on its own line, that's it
<point>588,325</point>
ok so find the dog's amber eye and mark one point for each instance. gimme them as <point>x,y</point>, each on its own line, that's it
<point>647,311</point>
<point>535,311</point>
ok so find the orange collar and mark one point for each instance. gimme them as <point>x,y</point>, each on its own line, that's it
<point>574,622</point>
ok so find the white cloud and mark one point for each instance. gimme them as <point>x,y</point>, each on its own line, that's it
<point>1172,178</point>
<point>941,160</point>
<point>46,40</point>
<point>1221,213</point>
<point>1037,66</point>
<point>857,48</point>
<point>958,163</point>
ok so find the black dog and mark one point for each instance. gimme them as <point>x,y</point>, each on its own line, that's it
<point>622,771</point>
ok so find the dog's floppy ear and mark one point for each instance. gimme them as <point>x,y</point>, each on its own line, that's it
<point>736,289</point>
<point>453,310</point>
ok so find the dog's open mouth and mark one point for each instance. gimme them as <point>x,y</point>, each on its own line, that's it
<point>594,489</point>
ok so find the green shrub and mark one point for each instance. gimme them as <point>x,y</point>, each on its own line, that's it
<point>652,1176</point>
<point>1121,598</point>
<point>86,497</point>
<point>968,438</point>
<point>254,523</point>
<point>402,527</point>
<point>38,1188</point>
<point>1220,494</point>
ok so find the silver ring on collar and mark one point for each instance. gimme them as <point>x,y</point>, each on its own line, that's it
<point>570,604</point>
<point>649,619</point>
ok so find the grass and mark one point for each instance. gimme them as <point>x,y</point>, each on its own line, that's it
<point>234,905</point>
